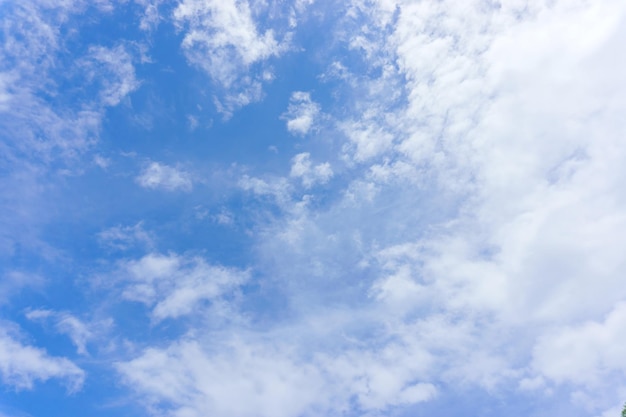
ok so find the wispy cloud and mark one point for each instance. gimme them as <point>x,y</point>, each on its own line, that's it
<point>79,331</point>
<point>113,70</point>
<point>21,365</point>
<point>175,286</point>
<point>151,16</point>
<point>160,176</point>
<point>45,131</point>
<point>14,281</point>
<point>126,237</point>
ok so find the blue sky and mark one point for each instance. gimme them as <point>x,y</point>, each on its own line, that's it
<point>259,208</point>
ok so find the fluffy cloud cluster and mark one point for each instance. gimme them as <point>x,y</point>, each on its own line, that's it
<point>310,174</point>
<point>302,113</point>
<point>223,39</point>
<point>223,36</point>
<point>199,376</point>
<point>175,286</point>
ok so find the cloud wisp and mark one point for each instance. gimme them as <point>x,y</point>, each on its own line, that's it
<point>156,175</point>
<point>22,365</point>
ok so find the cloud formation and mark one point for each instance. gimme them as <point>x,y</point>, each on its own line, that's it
<point>160,176</point>
<point>301,114</point>
<point>310,174</point>
<point>175,286</point>
<point>223,39</point>
<point>22,365</point>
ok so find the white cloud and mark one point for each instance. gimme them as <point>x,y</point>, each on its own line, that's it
<point>400,290</point>
<point>34,127</point>
<point>184,379</point>
<point>79,331</point>
<point>223,39</point>
<point>125,237</point>
<point>45,129</point>
<point>224,217</point>
<point>223,35</point>
<point>248,91</point>
<point>366,140</point>
<point>23,365</point>
<point>113,70</point>
<point>278,188</point>
<point>301,167</point>
<point>101,161</point>
<point>515,128</point>
<point>174,286</point>
<point>538,198</point>
<point>191,378</point>
<point>586,353</point>
<point>151,16</point>
<point>156,175</point>
<point>6,79</point>
<point>192,122</point>
<point>76,330</point>
<point>301,114</point>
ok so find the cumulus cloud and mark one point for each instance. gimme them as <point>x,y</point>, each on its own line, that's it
<point>301,167</point>
<point>498,116</point>
<point>197,383</point>
<point>22,365</point>
<point>160,176</point>
<point>174,286</point>
<point>366,140</point>
<point>223,39</point>
<point>586,353</point>
<point>222,36</point>
<point>301,114</point>
<point>189,378</point>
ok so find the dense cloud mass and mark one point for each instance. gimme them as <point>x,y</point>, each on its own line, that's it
<point>313,208</point>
